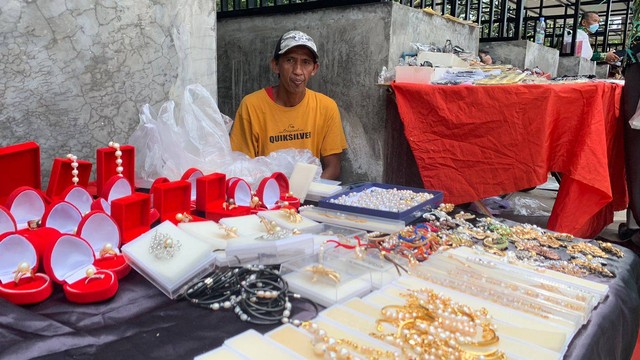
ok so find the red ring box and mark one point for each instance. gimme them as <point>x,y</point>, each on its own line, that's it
<point>210,191</point>
<point>115,188</point>
<point>285,193</point>
<point>79,197</point>
<point>191,175</point>
<point>99,229</point>
<point>269,193</point>
<point>173,198</point>
<point>239,192</point>
<point>106,165</point>
<point>132,214</point>
<point>26,204</point>
<point>25,157</point>
<point>61,177</point>
<point>67,260</point>
<point>14,250</point>
<point>62,216</point>
<point>7,222</point>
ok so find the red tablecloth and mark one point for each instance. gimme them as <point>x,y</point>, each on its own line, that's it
<point>474,142</point>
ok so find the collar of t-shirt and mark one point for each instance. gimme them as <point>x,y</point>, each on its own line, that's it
<point>269,90</point>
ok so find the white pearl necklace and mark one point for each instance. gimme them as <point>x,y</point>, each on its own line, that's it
<point>118,153</point>
<point>74,166</point>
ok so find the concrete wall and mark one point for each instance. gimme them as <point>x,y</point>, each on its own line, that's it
<point>354,43</point>
<point>524,54</point>
<point>576,65</point>
<point>74,73</point>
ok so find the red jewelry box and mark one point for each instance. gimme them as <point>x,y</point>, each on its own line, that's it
<point>106,165</point>
<point>268,193</point>
<point>69,261</point>
<point>61,176</point>
<point>62,216</point>
<point>171,199</point>
<point>27,204</point>
<point>132,214</point>
<point>26,159</point>
<point>191,175</point>
<point>285,192</point>
<point>210,191</point>
<point>79,197</point>
<point>102,233</point>
<point>115,188</point>
<point>238,202</point>
<point>19,283</point>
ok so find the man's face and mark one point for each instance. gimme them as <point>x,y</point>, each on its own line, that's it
<point>592,19</point>
<point>295,68</point>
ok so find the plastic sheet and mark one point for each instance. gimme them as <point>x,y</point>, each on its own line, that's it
<point>526,205</point>
<point>197,135</point>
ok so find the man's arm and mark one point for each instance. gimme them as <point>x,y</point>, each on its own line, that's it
<point>331,166</point>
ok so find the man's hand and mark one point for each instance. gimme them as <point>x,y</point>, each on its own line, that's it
<point>611,57</point>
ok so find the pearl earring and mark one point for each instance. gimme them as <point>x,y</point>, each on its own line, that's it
<point>116,146</point>
<point>74,166</point>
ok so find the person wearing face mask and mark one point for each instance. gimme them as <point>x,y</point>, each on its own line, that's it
<point>589,24</point>
<point>288,115</point>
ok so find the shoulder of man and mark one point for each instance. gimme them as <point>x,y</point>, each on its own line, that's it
<point>320,97</point>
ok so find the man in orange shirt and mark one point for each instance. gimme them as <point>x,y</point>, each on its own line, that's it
<point>289,115</point>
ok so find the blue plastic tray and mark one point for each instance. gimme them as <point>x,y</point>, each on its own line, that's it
<point>408,215</point>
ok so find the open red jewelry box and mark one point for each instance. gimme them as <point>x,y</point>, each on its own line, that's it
<point>69,261</point>
<point>19,283</point>
<point>26,158</point>
<point>132,215</point>
<point>191,175</point>
<point>285,192</point>
<point>269,194</point>
<point>61,176</point>
<point>102,233</point>
<point>79,197</point>
<point>27,205</point>
<point>172,199</point>
<point>106,165</point>
<point>238,203</point>
<point>115,188</point>
<point>62,216</point>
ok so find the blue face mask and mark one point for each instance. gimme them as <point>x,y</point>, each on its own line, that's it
<point>593,28</point>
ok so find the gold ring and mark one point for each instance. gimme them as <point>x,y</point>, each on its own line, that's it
<point>24,269</point>
<point>107,250</point>
<point>91,274</point>
<point>34,224</point>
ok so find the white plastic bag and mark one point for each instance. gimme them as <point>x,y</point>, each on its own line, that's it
<point>197,136</point>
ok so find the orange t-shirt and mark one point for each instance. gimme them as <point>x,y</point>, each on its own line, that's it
<point>262,126</point>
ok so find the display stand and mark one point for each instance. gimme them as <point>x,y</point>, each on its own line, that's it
<point>61,177</point>
<point>106,166</point>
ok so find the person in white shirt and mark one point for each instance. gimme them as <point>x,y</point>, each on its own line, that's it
<point>589,24</point>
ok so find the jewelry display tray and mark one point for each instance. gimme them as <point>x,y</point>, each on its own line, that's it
<point>171,276</point>
<point>408,215</point>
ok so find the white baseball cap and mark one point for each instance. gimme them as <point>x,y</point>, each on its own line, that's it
<point>292,39</point>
